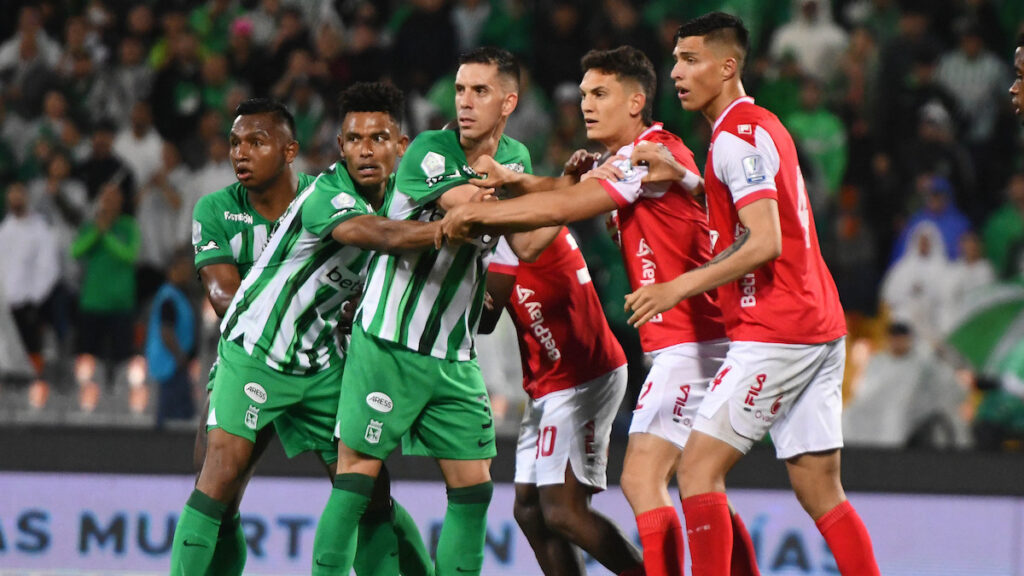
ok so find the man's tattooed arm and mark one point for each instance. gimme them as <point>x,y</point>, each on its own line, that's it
<point>732,249</point>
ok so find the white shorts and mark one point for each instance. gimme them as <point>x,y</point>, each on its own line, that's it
<point>796,391</point>
<point>570,426</point>
<point>674,388</point>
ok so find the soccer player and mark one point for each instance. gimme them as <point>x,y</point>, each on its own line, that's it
<point>1017,88</point>
<point>575,374</point>
<point>290,380</point>
<point>784,368</point>
<point>664,232</point>
<point>412,367</point>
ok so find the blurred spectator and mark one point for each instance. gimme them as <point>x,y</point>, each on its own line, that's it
<point>906,393</point>
<point>173,25</point>
<point>821,135</point>
<point>530,123</point>
<point>177,96</point>
<point>64,203</point>
<point>778,85</point>
<point>79,39</point>
<point>292,35</point>
<point>214,175</point>
<point>103,167</point>
<point>194,151</point>
<point>216,81</point>
<point>27,61</point>
<point>263,22</point>
<point>30,266</point>
<point>559,42</point>
<point>425,46</point>
<point>47,126</point>
<point>211,22</point>
<point>171,341</point>
<point>1004,232</point>
<point>910,289</point>
<point>128,81</point>
<point>968,273</point>
<point>853,90</point>
<point>977,79</point>
<point>161,218</point>
<point>618,24</point>
<point>86,90</point>
<point>368,59</point>
<point>140,26</point>
<point>811,37</point>
<point>853,259</point>
<point>139,145</point>
<point>308,108</point>
<point>880,17</point>
<point>108,248</point>
<point>510,26</point>
<point>469,18</point>
<point>938,151</point>
<point>246,61</point>
<point>936,194</point>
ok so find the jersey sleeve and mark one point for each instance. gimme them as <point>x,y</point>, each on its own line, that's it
<point>429,169</point>
<point>329,206</point>
<point>209,238</point>
<point>504,259</point>
<point>630,188</point>
<point>747,165</point>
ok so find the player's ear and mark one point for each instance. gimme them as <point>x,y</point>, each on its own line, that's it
<point>291,150</point>
<point>730,68</point>
<point>637,101</point>
<point>509,104</point>
<point>403,143</point>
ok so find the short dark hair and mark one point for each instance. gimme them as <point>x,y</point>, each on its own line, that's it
<point>718,27</point>
<point>507,64</point>
<point>267,106</point>
<point>372,97</point>
<point>626,62</point>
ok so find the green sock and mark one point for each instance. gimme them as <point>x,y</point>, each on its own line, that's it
<point>195,537</point>
<point>460,548</point>
<point>413,558</point>
<point>230,554</point>
<point>377,545</point>
<point>334,546</point>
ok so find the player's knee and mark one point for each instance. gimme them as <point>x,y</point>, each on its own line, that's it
<point>561,518</point>
<point>634,484</point>
<point>527,514</point>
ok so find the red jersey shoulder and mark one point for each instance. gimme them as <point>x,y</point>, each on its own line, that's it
<point>675,145</point>
<point>744,119</point>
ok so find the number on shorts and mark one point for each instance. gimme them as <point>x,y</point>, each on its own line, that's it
<point>647,389</point>
<point>546,441</point>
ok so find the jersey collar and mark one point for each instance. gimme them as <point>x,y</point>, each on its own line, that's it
<point>653,128</point>
<point>729,108</point>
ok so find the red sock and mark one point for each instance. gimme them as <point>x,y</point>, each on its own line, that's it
<point>849,541</point>
<point>661,535</point>
<point>744,559</point>
<point>709,529</point>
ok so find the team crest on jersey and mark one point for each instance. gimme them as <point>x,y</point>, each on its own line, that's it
<point>744,129</point>
<point>197,232</point>
<point>523,294</point>
<point>753,169</point>
<point>252,416</point>
<point>343,201</point>
<point>373,430</point>
<point>432,164</point>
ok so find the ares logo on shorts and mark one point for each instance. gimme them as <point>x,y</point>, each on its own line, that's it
<point>256,392</point>
<point>373,430</point>
<point>380,402</point>
<point>252,416</point>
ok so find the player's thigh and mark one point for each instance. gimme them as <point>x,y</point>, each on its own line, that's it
<point>456,423</point>
<point>247,395</point>
<point>527,448</point>
<point>755,388</point>
<point>308,426</point>
<point>674,390</point>
<point>594,406</point>
<point>383,391</point>
<point>814,422</point>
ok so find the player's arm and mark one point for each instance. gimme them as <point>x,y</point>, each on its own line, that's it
<point>554,208</point>
<point>381,234</point>
<point>662,166</point>
<point>760,244</point>
<point>221,281</point>
<point>496,175</point>
<point>499,289</point>
<point>528,246</point>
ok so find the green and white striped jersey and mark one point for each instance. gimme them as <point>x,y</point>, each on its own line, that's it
<point>227,229</point>
<point>287,308</point>
<point>431,301</point>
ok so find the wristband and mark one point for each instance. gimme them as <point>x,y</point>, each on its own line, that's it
<point>691,180</point>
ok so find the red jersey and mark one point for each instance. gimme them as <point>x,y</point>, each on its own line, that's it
<point>792,299</point>
<point>564,339</point>
<point>663,232</point>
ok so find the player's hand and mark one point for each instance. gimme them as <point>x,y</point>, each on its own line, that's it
<point>484,195</point>
<point>488,301</point>
<point>348,313</point>
<point>493,174</point>
<point>580,163</point>
<point>661,165</point>
<point>457,225</point>
<point>651,300</point>
<point>607,171</point>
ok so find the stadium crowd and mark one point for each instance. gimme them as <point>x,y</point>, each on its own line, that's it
<point>114,116</point>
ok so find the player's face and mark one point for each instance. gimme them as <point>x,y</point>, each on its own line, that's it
<point>608,106</point>
<point>697,73</point>
<point>1017,88</point>
<point>370,144</point>
<point>261,149</point>
<point>482,99</point>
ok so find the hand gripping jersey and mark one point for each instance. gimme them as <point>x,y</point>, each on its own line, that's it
<point>663,232</point>
<point>564,339</point>
<point>287,308</point>
<point>227,229</point>
<point>792,299</point>
<point>431,301</point>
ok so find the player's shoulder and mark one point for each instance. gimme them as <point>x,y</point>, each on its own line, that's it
<point>231,198</point>
<point>673,142</point>
<point>305,180</point>
<point>512,145</point>
<point>744,119</point>
<point>440,141</point>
